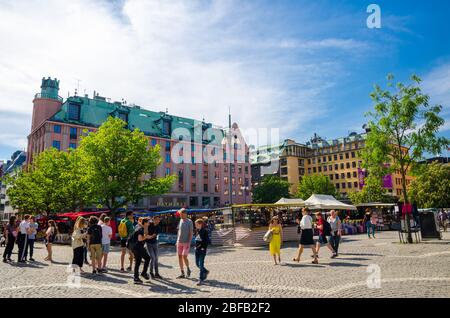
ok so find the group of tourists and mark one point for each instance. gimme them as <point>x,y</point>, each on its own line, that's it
<point>138,239</point>
<point>23,233</point>
<point>329,235</point>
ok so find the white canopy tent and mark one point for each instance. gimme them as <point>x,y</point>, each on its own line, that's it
<point>322,201</point>
<point>284,201</point>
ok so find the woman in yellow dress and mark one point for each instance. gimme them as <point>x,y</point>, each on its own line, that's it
<point>277,238</point>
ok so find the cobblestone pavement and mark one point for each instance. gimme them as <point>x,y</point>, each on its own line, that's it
<point>419,270</point>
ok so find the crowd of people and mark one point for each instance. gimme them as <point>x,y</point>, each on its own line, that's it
<point>138,239</point>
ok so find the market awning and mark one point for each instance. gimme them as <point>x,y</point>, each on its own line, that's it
<point>285,201</point>
<point>322,201</point>
<point>375,204</point>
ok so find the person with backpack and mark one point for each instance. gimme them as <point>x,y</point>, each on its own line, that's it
<point>137,244</point>
<point>95,245</point>
<point>324,231</point>
<point>126,230</point>
<point>336,232</point>
<point>201,245</point>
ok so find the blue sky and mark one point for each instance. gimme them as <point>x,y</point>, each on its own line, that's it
<point>303,67</point>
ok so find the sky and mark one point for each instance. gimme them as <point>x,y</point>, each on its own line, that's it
<point>302,67</point>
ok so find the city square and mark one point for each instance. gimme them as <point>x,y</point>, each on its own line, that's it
<point>407,271</point>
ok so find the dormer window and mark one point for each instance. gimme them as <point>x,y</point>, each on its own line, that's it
<point>166,127</point>
<point>123,116</point>
<point>74,112</point>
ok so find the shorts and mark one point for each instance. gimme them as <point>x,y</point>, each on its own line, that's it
<point>123,242</point>
<point>322,240</point>
<point>96,251</point>
<point>183,248</point>
<point>105,248</point>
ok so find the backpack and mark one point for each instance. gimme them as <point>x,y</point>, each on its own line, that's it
<point>123,230</point>
<point>326,228</point>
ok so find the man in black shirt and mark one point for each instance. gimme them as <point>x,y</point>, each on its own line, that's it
<point>152,246</point>
<point>201,244</point>
<point>137,245</point>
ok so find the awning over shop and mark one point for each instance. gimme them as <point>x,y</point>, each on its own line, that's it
<point>291,202</point>
<point>322,201</point>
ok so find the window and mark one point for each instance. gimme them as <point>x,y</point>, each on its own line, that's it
<point>167,171</point>
<point>341,156</point>
<point>56,144</point>
<point>355,184</point>
<point>347,155</point>
<point>331,177</point>
<point>205,187</point>
<point>337,185</point>
<point>73,133</point>
<point>167,145</point>
<point>194,187</point>
<point>342,165</point>
<point>225,180</point>
<point>347,165</point>
<point>314,169</point>
<point>74,112</point>
<point>320,169</point>
<point>336,176</point>
<point>354,164</point>
<point>216,188</point>
<point>349,185</point>
<point>353,154</point>
<point>330,167</point>
<point>342,175</point>
<point>336,166</point>
<point>167,157</point>
<point>73,145</point>
<point>154,142</point>
<point>124,117</point>
<point>166,127</point>
<point>194,173</point>
<point>335,157</point>
<point>57,129</point>
<point>343,185</point>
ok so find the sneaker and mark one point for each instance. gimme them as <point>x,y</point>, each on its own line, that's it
<point>101,270</point>
<point>129,269</point>
<point>333,256</point>
<point>200,283</point>
<point>315,262</point>
<point>5,260</point>
<point>145,275</point>
<point>94,272</point>
<point>138,281</point>
<point>152,275</point>
<point>181,276</point>
<point>188,273</point>
<point>122,270</point>
<point>157,276</point>
<point>10,260</point>
<point>206,274</point>
<point>32,260</point>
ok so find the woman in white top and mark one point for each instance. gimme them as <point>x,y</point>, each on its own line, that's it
<point>306,236</point>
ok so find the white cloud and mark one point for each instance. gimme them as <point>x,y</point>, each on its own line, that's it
<point>195,58</point>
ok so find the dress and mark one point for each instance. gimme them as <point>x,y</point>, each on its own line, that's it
<point>275,243</point>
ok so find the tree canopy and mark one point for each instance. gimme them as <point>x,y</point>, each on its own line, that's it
<point>315,184</point>
<point>270,190</point>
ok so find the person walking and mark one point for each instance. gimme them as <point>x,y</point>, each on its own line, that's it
<point>442,216</point>
<point>368,223</point>
<point>22,238</point>
<point>126,230</point>
<point>50,236</point>
<point>324,231</point>
<point>10,234</point>
<point>201,245</point>
<point>152,246</point>
<point>137,245</point>
<point>374,223</point>
<point>31,238</point>
<point>336,231</point>
<point>184,239</point>
<point>306,236</point>
<point>94,240</point>
<point>79,236</point>
<point>277,239</point>
<point>106,242</point>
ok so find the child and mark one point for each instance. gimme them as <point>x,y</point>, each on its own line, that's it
<point>106,242</point>
<point>201,244</point>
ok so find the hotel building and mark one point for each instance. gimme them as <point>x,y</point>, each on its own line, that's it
<point>61,124</point>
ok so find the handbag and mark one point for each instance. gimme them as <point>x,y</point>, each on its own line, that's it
<point>268,236</point>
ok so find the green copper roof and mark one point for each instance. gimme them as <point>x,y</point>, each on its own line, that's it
<point>93,112</point>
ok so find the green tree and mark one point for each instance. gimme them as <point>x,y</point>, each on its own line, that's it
<point>431,189</point>
<point>403,126</point>
<point>120,165</point>
<point>315,184</point>
<point>270,190</point>
<point>372,191</point>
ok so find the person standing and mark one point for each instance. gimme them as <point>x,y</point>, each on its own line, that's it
<point>368,223</point>
<point>277,239</point>
<point>306,236</point>
<point>442,216</point>
<point>184,239</point>
<point>79,235</point>
<point>324,230</point>
<point>137,245</point>
<point>10,234</point>
<point>95,244</point>
<point>31,239</point>
<point>152,246</point>
<point>50,236</point>
<point>22,238</point>
<point>374,223</point>
<point>126,230</point>
<point>106,242</point>
<point>336,232</point>
<point>201,245</point>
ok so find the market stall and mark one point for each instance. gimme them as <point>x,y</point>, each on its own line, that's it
<point>385,212</point>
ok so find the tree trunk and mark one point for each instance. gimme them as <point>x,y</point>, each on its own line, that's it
<point>405,201</point>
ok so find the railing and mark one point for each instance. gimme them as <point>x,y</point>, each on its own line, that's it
<point>39,95</point>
